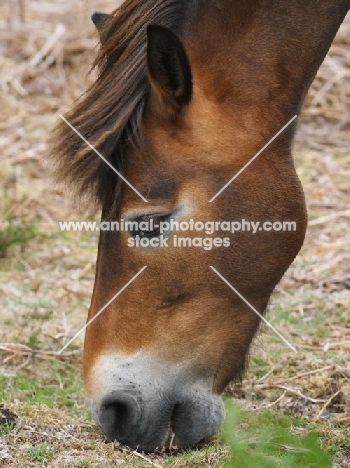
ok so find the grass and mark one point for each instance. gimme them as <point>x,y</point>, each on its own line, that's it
<point>269,440</point>
<point>55,385</point>
<point>7,427</point>
<point>15,232</point>
<point>263,438</point>
<point>40,453</point>
<point>259,367</point>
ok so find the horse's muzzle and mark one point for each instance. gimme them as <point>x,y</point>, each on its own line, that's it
<point>151,412</point>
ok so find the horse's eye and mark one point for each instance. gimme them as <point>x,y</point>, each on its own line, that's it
<point>148,226</point>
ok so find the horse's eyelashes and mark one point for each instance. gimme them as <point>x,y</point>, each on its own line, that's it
<point>149,225</point>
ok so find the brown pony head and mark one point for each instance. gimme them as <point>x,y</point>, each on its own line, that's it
<point>188,92</point>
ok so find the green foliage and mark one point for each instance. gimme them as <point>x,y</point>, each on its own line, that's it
<point>259,367</point>
<point>7,427</point>
<point>55,384</point>
<point>34,341</point>
<point>35,315</point>
<point>15,231</point>
<point>40,453</point>
<point>265,439</point>
<point>83,464</point>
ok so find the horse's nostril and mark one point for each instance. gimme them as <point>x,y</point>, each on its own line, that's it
<point>175,413</point>
<point>120,416</point>
<point>119,413</point>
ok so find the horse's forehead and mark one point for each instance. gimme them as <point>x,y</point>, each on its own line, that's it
<point>208,134</point>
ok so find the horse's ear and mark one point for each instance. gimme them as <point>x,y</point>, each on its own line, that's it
<point>100,20</point>
<point>168,68</point>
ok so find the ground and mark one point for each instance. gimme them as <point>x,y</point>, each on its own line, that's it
<point>47,276</point>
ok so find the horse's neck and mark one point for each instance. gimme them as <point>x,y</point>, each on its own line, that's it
<point>264,49</point>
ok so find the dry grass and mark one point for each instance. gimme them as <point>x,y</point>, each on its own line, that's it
<point>326,117</point>
<point>45,287</point>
